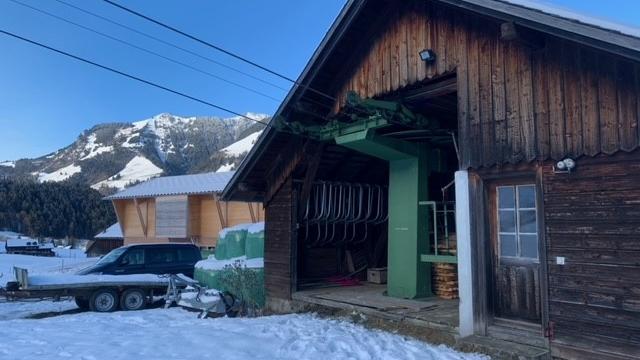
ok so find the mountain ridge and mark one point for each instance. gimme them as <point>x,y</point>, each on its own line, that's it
<point>111,156</point>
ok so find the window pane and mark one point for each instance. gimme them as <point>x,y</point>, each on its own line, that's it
<point>526,196</point>
<point>507,220</point>
<point>508,245</point>
<point>506,197</point>
<point>528,221</point>
<point>529,246</point>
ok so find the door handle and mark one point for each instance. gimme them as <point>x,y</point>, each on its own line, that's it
<point>119,271</point>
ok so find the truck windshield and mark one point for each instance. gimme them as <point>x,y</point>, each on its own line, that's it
<point>112,256</point>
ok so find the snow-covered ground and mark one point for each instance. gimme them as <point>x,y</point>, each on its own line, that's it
<point>36,265</point>
<point>242,146</point>
<point>178,334</point>
<point>60,174</point>
<point>41,265</point>
<point>138,169</point>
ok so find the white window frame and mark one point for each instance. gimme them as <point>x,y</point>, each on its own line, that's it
<point>517,233</point>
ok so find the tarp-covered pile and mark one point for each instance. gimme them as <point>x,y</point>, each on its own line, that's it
<point>238,262</point>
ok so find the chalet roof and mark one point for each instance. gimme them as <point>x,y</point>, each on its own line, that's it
<point>112,232</point>
<point>603,35</point>
<point>206,183</point>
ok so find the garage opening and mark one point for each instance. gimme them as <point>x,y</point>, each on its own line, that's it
<point>380,207</point>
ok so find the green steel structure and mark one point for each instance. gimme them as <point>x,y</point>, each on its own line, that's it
<point>410,163</point>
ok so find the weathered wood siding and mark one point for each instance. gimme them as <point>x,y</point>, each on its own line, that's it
<point>515,103</point>
<point>278,246</point>
<point>592,219</point>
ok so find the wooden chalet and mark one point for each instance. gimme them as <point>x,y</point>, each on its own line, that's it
<point>482,138</point>
<point>184,208</point>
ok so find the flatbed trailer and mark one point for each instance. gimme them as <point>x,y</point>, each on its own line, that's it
<point>101,293</point>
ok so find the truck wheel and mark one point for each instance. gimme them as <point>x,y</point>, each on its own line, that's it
<point>83,303</point>
<point>104,300</point>
<point>133,299</point>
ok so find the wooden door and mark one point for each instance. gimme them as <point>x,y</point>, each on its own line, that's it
<point>515,251</point>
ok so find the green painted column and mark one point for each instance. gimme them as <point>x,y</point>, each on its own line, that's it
<point>407,276</point>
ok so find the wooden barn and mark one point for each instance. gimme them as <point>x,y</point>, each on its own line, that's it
<point>183,208</point>
<point>479,149</point>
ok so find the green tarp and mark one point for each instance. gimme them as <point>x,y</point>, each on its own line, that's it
<point>231,243</point>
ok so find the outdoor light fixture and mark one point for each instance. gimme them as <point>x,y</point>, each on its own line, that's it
<point>427,55</point>
<point>564,166</point>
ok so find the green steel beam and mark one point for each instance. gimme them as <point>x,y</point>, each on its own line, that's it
<point>439,259</point>
<point>408,276</point>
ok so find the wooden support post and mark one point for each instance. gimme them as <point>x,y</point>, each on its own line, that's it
<point>142,222</point>
<point>223,222</point>
<point>253,215</point>
<point>310,175</point>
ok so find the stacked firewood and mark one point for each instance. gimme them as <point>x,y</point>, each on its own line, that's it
<point>444,276</point>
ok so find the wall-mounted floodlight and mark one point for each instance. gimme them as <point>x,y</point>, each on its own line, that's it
<point>427,55</point>
<point>564,166</point>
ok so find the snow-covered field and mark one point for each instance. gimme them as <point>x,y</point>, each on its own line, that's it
<point>37,265</point>
<point>178,334</point>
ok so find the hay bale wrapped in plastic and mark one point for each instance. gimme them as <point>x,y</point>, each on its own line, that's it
<point>231,242</point>
<point>243,277</point>
<point>254,243</point>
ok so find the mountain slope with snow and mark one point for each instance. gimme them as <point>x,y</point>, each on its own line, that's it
<point>113,156</point>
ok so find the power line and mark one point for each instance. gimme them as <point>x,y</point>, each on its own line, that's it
<point>218,48</point>
<point>171,45</point>
<point>146,50</point>
<point>104,67</point>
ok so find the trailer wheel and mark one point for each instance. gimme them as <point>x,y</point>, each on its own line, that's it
<point>83,303</point>
<point>133,299</point>
<point>104,300</point>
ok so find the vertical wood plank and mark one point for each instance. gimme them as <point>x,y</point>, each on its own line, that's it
<point>475,127</point>
<point>627,105</point>
<point>556,103</point>
<point>514,142</point>
<point>422,37</point>
<point>395,55</point>
<point>441,38</point>
<point>608,105</point>
<point>404,55</point>
<point>485,58</point>
<point>589,92</point>
<point>412,46</point>
<point>541,103</point>
<point>463,93</point>
<point>572,95</point>
<point>386,61</point>
<point>452,51</point>
<point>431,37</point>
<point>499,98</point>
<point>525,87</point>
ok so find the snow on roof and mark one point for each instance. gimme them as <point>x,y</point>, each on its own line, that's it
<point>547,8</point>
<point>112,232</point>
<point>177,185</point>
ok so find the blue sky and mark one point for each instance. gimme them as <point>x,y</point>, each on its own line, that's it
<point>46,100</point>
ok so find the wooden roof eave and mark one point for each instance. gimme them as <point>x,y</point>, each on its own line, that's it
<point>322,52</point>
<point>590,35</point>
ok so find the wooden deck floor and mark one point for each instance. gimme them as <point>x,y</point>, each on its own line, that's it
<point>371,299</point>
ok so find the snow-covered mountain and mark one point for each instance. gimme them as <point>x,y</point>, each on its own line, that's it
<point>116,155</point>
